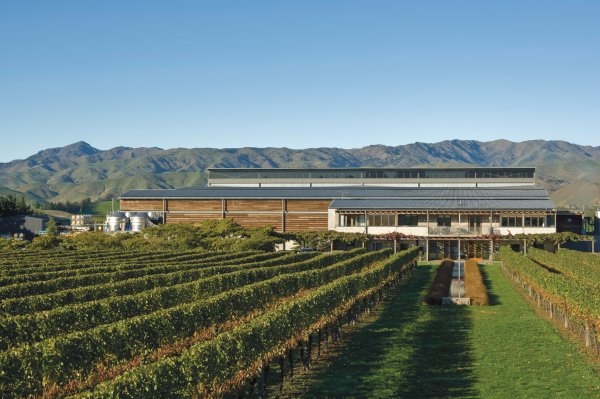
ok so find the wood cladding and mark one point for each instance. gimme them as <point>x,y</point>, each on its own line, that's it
<point>142,205</point>
<point>257,220</point>
<point>194,218</point>
<point>300,214</point>
<point>307,205</point>
<point>305,222</point>
<point>254,205</point>
<point>194,205</point>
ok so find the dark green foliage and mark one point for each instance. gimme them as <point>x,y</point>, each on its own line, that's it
<point>325,240</point>
<point>68,206</point>
<point>10,205</point>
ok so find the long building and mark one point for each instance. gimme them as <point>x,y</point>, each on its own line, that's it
<point>432,207</point>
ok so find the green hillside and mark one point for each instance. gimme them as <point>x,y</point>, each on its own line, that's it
<point>570,172</point>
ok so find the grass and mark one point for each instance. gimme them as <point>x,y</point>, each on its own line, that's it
<point>418,351</point>
<point>102,208</point>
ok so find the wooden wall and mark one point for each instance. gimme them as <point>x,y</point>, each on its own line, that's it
<point>142,205</point>
<point>283,215</point>
<point>194,205</point>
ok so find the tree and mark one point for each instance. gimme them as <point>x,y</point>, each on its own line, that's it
<point>51,229</point>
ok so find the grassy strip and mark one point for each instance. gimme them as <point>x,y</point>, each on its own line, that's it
<point>52,361</point>
<point>474,285</point>
<point>413,351</point>
<point>213,363</point>
<point>19,330</point>
<point>440,287</point>
<point>37,303</point>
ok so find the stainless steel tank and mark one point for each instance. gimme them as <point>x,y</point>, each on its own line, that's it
<point>138,221</point>
<point>116,221</point>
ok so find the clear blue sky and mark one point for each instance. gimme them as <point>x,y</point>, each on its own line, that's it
<point>295,73</point>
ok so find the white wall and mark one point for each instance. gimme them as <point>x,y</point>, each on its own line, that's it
<point>350,229</point>
<point>526,230</point>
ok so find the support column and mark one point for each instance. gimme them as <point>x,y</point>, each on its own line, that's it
<point>491,250</point>
<point>164,210</point>
<point>283,216</point>
<point>427,249</point>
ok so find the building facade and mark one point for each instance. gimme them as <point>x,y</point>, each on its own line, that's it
<point>433,207</point>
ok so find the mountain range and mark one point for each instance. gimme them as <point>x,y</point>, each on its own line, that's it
<point>569,171</point>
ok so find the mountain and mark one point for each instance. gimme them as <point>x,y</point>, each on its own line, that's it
<point>569,171</point>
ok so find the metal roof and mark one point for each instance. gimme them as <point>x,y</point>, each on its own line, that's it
<point>444,203</point>
<point>368,168</point>
<point>352,192</point>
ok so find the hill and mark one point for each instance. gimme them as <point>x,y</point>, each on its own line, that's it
<point>571,172</point>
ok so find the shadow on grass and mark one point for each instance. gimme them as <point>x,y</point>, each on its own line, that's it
<point>412,350</point>
<point>441,364</point>
<point>492,296</point>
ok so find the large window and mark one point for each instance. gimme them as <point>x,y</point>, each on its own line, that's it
<point>352,220</point>
<point>535,221</point>
<point>408,220</point>
<point>511,221</point>
<point>444,220</point>
<point>382,220</point>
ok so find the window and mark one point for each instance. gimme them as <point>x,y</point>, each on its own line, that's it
<point>444,220</point>
<point>550,220</point>
<point>352,220</point>
<point>511,221</point>
<point>408,220</point>
<point>535,221</point>
<point>382,220</point>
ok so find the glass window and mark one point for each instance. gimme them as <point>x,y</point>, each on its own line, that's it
<point>444,220</point>
<point>535,221</point>
<point>382,220</point>
<point>408,220</point>
<point>511,221</point>
<point>352,220</point>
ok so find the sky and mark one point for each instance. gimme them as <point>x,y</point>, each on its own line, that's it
<point>295,74</point>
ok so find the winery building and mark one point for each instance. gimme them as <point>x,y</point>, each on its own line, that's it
<point>433,207</point>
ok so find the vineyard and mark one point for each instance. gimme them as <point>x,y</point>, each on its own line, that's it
<point>564,284</point>
<point>106,324</point>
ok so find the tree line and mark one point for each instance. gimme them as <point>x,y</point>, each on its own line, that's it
<point>68,206</point>
<point>11,205</point>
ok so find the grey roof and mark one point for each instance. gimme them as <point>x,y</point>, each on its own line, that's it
<point>444,203</point>
<point>357,197</point>
<point>466,167</point>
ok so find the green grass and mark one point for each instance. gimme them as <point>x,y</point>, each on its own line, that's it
<point>102,208</point>
<point>419,351</point>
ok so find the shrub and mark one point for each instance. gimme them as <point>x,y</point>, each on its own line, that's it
<point>474,285</point>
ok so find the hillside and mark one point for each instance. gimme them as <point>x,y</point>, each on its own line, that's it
<point>571,172</point>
